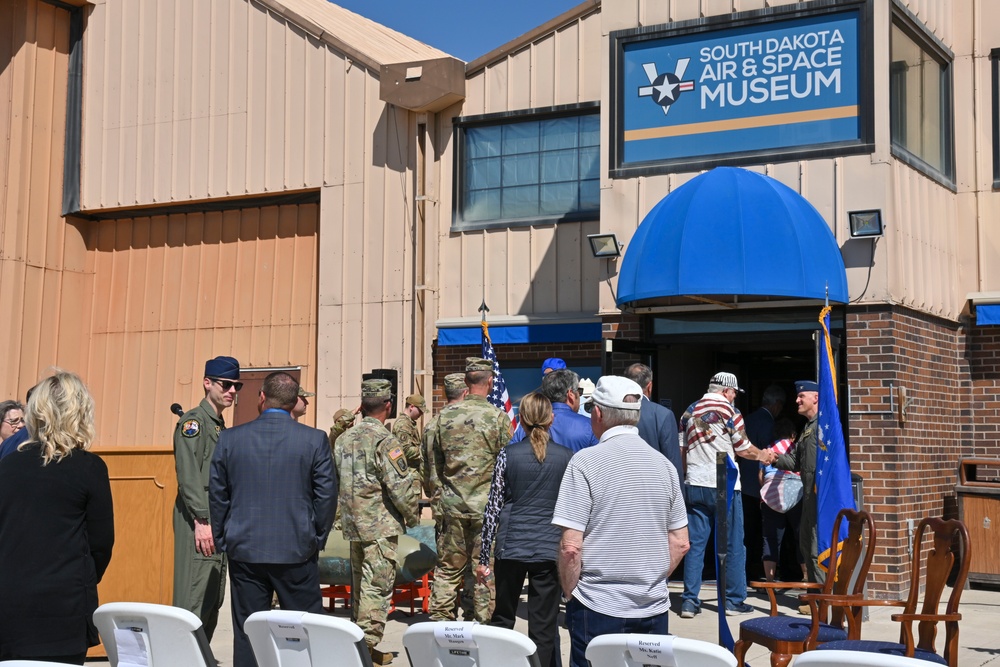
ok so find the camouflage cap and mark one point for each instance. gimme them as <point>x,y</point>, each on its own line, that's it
<point>376,388</point>
<point>343,414</point>
<point>417,401</point>
<point>477,364</point>
<point>304,393</point>
<point>454,381</point>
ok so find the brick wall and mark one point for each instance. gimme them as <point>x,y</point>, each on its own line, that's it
<point>984,367</point>
<point>909,466</point>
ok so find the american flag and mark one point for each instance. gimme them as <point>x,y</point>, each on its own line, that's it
<point>499,396</point>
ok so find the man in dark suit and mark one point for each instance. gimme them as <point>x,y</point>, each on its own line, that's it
<point>272,497</point>
<point>657,424</point>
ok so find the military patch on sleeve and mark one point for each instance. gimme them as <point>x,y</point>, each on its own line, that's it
<point>398,460</point>
<point>190,428</point>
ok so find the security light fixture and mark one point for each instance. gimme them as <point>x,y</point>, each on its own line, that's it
<point>605,245</point>
<point>866,224</point>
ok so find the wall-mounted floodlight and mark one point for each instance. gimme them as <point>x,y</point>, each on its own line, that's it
<point>865,223</point>
<point>605,245</point>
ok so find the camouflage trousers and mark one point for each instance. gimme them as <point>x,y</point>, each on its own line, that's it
<point>458,544</point>
<point>373,575</point>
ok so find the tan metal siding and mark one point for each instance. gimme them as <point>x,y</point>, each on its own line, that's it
<point>538,270</point>
<point>187,100</point>
<point>172,291</point>
<point>45,281</point>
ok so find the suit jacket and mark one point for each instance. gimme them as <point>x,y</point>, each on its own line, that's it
<point>658,427</point>
<point>272,492</point>
<point>760,430</point>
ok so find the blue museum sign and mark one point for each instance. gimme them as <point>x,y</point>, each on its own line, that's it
<point>775,84</point>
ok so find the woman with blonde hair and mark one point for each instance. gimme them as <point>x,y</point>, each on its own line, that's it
<point>56,528</point>
<point>519,514</point>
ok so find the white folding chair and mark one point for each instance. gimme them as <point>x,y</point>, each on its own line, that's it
<point>283,638</point>
<point>467,644</point>
<point>153,635</point>
<point>627,650</point>
<point>833,658</point>
<point>30,663</point>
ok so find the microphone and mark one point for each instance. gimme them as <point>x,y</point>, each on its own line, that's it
<point>177,409</point>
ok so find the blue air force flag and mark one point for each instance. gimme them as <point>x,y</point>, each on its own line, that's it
<point>833,473</point>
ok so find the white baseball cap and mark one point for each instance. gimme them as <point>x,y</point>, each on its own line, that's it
<point>726,380</point>
<point>612,390</point>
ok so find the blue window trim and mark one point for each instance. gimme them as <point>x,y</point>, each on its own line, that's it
<point>462,123</point>
<point>529,333</point>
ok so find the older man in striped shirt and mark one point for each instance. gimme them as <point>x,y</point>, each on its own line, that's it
<point>712,425</point>
<point>624,525</point>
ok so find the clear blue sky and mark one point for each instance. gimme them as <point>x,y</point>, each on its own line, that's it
<point>465,29</point>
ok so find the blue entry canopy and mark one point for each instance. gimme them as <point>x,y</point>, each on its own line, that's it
<point>731,233</point>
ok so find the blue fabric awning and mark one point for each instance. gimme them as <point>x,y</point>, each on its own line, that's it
<point>732,232</point>
<point>987,314</point>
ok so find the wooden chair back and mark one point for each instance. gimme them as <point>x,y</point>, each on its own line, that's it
<point>936,566</point>
<point>849,577</point>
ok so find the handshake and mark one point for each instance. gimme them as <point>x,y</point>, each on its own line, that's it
<point>767,456</point>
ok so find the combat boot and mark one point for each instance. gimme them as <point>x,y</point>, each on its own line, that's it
<point>378,657</point>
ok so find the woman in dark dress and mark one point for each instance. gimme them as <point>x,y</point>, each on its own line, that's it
<point>519,514</point>
<point>56,528</point>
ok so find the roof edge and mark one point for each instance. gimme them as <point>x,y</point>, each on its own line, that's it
<point>581,10</point>
<point>320,33</point>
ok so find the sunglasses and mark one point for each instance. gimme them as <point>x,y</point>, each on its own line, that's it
<point>227,384</point>
<point>588,406</point>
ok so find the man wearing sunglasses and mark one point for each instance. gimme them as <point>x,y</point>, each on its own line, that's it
<point>199,570</point>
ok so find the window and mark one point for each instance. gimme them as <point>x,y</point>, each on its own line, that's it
<point>920,120</point>
<point>540,169</point>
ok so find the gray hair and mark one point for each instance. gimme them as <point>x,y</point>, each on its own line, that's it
<point>641,374</point>
<point>557,384</point>
<point>773,395</point>
<point>619,416</point>
<point>7,406</point>
<point>717,388</point>
<point>454,393</point>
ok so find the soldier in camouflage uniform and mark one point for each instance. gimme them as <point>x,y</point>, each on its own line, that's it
<point>454,391</point>
<point>342,420</point>
<point>378,500</point>
<point>464,445</point>
<point>406,431</point>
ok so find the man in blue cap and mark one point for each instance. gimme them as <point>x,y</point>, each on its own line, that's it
<point>552,364</point>
<point>802,459</point>
<point>199,569</point>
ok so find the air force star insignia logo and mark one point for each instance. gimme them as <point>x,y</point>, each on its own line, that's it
<point>190,428</point>
<point>666,88</point>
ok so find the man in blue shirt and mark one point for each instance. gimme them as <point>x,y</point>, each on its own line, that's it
<point>569,428</point>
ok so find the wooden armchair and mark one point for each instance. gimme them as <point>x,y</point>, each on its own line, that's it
<point>786,636</point>
<point>936,566</point>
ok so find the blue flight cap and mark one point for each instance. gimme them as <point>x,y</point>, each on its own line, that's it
<point>552,364</point>
<point>223,368</point>
<point>806,385</point>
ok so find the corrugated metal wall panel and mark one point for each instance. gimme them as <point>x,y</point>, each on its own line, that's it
<point>180,105</point>
<point>173,291</point>
<point>524,270</point>
<point>44,279</point>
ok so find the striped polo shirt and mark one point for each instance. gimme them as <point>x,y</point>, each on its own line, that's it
<point>624,496</point>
